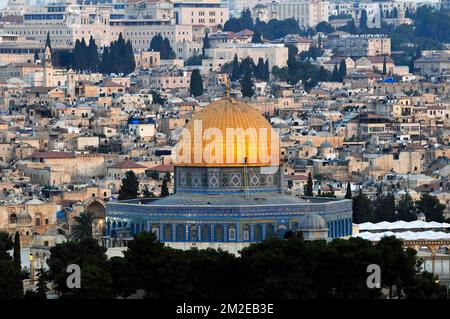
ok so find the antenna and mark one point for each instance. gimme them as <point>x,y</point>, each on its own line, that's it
<point>227,88</point>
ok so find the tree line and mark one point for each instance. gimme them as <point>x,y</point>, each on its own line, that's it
<point>289,268</point>
<point>271,30</point>
<point>118,57</point>
<point>384,208</point>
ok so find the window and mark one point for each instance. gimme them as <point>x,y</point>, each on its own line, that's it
<point>232,233</point>
<point>168,232</point>
<point>13,219</point>
<point>246,233</point>
<point>219,233</point>
<point>46,221</point>
<point>180,234</point>
<point>38,219</point>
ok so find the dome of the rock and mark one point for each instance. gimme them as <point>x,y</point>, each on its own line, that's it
<point>229,132</point>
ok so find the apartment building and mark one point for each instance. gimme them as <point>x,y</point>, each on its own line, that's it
<point>208,13</point>
<point>308,13</point>
<point>344,44</point>
<point>66,23</point>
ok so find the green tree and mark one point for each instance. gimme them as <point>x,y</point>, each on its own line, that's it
<point>16,252</point>
<point>384,208</point>
<point>82,228</point>
<point>42,282</point>
<point>342,70</point>
<point>164,188</point>
<point>256,37</point>
<point>362,209</point>
<point>156,43</point>
<point>93,55</point>
<point>206,45</point>
<point>247,83</point>
<point>397,263</point>
<point>363,21</point>
<point>196,83</point>
<point>348,193</point>
<point>130,186</point>
<point>260,70</point>
<point>85,253</point>
<point>266,71</point>
<point>308,191</point>
<point>335,75</point>
<point>406,210</point>
<point>48,42</point>
<point>235,75</point>
<point>324,27</point>
<point>10,281</point>
<point>431,207</point>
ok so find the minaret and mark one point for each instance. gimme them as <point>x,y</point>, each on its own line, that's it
<point>48,67</point>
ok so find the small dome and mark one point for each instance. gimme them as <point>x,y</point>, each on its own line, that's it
<point>308,143</point>
<point>326,144</point>
<point>24,218</point>
<point>312,221</point>
<point>422,217</point>
<point>34,201</point>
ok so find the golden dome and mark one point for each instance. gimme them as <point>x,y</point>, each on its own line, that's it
<point>233,133</point>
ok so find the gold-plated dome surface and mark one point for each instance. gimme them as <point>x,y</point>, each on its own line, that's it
<point>233,133</point>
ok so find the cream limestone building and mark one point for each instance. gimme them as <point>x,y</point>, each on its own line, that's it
<point>209,13</point>
<point>308,13</point>
<point>66,23</point>
<point>277,54</point>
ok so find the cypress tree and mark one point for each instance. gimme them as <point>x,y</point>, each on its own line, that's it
<point>48,42</point>
<point>247,83</point>
<point>266,71</point>
<point>164,189</point>
<point>335,74</point>
<point>196,84</point>
<point>363,21</point>
<point>348,194</point>
<point>105,65</point>
<point>156,43</point>
<point>342,70</point>
<point>130,186</point>
<point>260,69</point>
<point>93,55</point>
<point>129,58</point>
<point>384,66</point>
<point>322,76</point>
<point>256,38</point>
<point>308,191</point>
<point>206,45</point>
<point>235,71</point>
<point>16,253</point>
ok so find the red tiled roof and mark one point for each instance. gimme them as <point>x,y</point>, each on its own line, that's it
<point>162,168</point>
<point>127,164</point>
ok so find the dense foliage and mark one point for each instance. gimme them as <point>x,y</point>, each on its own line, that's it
<point>383,208</point>
<point>282,269</point>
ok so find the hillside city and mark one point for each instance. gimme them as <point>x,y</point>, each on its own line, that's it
<point>96,97</point>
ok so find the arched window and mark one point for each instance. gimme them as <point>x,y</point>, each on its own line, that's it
<point>219,233</point>
<point>132,228</point>
<point>155,230</point>
<point>13,219</point>
<point>168,232</point>
<point>119,225</point>
<point>232,233</point>
<point>193,233</point>
<point>246,233</point>
<point>258,232</point>
<point>180,234</point>
<point>270,231</point>
<point>206,232</point>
